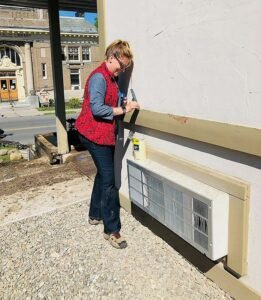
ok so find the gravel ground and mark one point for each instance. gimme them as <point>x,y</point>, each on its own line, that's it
<point>49,251</point>
<point>58,255</point>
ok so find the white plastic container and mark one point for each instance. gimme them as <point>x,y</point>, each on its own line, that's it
<point>139,148</point>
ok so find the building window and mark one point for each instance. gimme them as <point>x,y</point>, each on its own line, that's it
<point>75,79</point>
<point>63,54</point>
<point>44,71</point>
<point>85,53</point>
<point>73,53</point>
<point>11,53</point>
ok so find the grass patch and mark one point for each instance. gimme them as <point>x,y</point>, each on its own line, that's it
<point>45,108</point>
<point>5,158</point>
<point>67,112</point>
<point>73,103</point>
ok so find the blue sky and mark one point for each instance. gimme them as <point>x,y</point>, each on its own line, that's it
<point>88,16</point>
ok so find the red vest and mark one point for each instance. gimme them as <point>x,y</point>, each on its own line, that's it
<point>96,129</point>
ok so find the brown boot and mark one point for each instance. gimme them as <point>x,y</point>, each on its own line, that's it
<point>95,222</point>
<point>116,240</point>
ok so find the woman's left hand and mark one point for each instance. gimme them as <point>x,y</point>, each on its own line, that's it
<point>131,105</point>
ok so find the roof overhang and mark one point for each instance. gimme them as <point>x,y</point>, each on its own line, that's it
<point>75,5</point>
<point>34,31</point>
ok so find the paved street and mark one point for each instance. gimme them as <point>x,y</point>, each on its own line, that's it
<point>22,128</point>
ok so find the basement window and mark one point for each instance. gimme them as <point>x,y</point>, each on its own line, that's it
<point>196,212</point>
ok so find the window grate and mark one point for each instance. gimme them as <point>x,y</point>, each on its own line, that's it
<point>183,211</point>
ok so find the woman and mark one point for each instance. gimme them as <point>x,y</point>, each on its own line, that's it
<point>96,127</point>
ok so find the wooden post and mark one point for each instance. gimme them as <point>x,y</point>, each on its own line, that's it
<point>55,39</point>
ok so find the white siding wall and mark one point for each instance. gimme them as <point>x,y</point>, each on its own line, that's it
<point>204,56</point>
<point>202,59</point>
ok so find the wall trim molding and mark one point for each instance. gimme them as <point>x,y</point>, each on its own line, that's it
<point>236,137</point>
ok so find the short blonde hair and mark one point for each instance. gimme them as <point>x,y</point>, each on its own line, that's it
<point>119,48</point>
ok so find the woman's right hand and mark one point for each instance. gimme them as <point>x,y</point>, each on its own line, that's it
<point>131,105</point>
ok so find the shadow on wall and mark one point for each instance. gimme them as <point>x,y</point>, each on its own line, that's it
<point>225,153</point>
<point>123,83</point>
<point>124,79</point>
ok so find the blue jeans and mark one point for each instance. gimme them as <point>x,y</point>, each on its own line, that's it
<point>105,204</point>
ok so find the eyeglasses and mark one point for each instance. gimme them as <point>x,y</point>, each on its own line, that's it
<point>123,67</point>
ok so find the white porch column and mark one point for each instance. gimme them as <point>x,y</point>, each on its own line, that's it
<point>29,69</point>
<point>102,28</point>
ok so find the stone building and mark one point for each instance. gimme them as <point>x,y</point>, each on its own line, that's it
<point>25,54</point>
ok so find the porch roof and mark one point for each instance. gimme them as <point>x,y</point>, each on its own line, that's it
<point>79,5</point>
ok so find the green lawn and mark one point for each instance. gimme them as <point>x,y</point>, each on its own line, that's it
<point>5,158</point>
<point>52,112</point>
